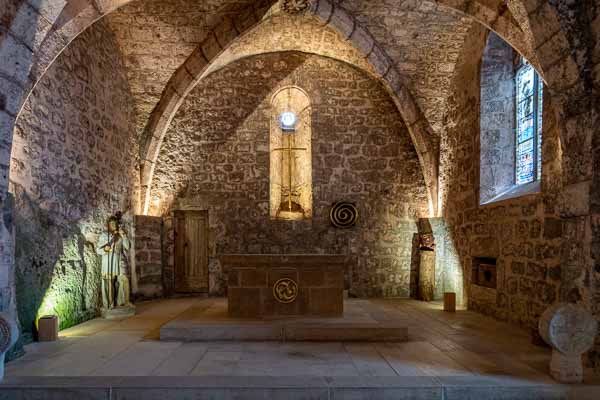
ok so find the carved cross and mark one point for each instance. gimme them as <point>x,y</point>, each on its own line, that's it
<point>290,152</point>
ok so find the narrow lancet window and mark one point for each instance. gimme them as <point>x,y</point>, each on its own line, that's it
<point>290,164</point>
<point>529,124</point>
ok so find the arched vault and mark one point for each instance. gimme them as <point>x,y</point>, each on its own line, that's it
<point>42,31</point>
<point>335,17</point>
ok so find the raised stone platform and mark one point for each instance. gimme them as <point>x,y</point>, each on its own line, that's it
<point>210,322</point>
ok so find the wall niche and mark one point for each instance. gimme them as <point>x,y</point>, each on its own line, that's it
<point>484,272</point>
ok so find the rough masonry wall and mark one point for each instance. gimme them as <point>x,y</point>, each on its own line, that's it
<point>523,234</point>
<point>72,166</point>
<point>157,36</point>
<point>579,91</point>
<point>216,156</point>
<point>424,40</point>
<point>284,32</point>
<point>148,257</point>
<point>497,110</point>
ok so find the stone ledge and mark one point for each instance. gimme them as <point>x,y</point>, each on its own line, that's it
<point>285,332</point>
<point>226,387</point>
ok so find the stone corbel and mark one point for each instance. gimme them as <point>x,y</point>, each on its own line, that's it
<point>9,333</point>
<point>296,7</point>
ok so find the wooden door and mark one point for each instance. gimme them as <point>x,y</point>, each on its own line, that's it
<point>191,251</point>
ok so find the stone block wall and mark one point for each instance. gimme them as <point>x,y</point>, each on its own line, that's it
<point>216,157</point>
<point>72,166</point>
<point>523,234</point>
<point>148,257</point>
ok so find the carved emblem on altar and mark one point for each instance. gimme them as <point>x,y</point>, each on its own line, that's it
<point>285,290</point>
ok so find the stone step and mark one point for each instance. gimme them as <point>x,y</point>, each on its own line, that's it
<point>289,388</point>
<point>186,331</point>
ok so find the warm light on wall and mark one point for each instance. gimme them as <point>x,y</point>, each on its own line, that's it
<point>48,306</point>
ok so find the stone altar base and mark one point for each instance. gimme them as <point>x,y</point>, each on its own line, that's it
<point>210,322</point>
<point>316,281</point>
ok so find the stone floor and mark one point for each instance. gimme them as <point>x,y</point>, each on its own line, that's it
<point>445,351</point>
<point>440,344</point>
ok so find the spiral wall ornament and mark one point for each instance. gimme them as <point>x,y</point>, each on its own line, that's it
<point>343,215</point>
<point>296,7</point>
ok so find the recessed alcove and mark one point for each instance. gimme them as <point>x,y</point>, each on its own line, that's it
<point>484,272</point>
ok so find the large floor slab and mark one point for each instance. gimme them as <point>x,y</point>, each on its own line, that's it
<point>291,388</point>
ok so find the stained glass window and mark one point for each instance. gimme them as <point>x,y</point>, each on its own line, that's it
<point>529,124</point>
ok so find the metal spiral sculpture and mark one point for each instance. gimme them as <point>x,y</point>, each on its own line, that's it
<point>343,215</point>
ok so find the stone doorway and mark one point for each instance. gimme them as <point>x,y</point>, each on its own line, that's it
<point>191,251</point>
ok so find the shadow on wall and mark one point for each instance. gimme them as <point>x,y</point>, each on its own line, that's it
<point>72,165</point>
<point>14,60</point>
<point>56,270</point>
<point>218,138</point>
<point>224,168</point>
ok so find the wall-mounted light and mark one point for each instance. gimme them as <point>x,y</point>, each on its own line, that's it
<point>288,121</point>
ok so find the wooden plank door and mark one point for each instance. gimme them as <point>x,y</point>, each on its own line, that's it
<point>191,251</point>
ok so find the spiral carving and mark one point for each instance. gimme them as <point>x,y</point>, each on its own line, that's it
<point>343,215</point>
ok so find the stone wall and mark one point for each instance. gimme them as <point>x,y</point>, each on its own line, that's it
<point>72,166</point>
<point>148,257</point>
<point>424,40</point>
<point>157,36</point>
<point>523,234</point>
<point>216,157</point>
<point>497,123</point>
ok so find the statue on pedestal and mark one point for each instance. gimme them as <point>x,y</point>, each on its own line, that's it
<point>114,246</point>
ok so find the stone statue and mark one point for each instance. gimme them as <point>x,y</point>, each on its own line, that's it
<point>113,246</point>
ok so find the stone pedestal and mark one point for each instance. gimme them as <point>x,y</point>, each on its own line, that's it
<point>284,285</point>
<point>570,330</point>
<point>427,275</point>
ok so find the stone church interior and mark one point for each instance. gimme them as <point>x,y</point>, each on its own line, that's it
<point>300,199</point>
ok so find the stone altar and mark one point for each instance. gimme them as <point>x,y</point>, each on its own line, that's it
<point>284,285</point>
